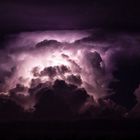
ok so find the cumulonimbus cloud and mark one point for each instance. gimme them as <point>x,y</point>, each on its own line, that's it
<point>34,61</point>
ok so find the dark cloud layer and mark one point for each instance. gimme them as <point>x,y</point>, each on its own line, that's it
<point>62,102</point>
<point>55,15</point>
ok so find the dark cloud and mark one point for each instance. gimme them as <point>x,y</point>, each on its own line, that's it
<point>35,71</point>
<point>107,109</point>
<point>62,69</point>
<point>135,111</point>
<point>50,71</point>
<point>35,82</point>
<point>18,88</point>
<point>48,43</point>
<point>9,107</point>
<point>61,102</point>
<point>54,71</point>
<point>75,79</point>
<point>66,101</point>
<point>6,72</point>
<point>95,59</point>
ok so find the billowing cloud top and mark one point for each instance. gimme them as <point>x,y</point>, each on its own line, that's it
<point>74,66</point>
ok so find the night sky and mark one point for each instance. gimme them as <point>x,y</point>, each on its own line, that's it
<point>52,14</point>
<point>113,28</point>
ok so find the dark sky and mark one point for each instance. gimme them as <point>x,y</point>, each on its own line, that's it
<point>52,14</point>
<point>111,16</point>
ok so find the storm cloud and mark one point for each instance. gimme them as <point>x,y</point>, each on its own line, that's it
<point>74,67</point>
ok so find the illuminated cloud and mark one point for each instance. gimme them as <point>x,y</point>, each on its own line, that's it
<point>35,61</point>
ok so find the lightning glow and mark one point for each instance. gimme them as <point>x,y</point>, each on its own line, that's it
<point>75,64</point>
